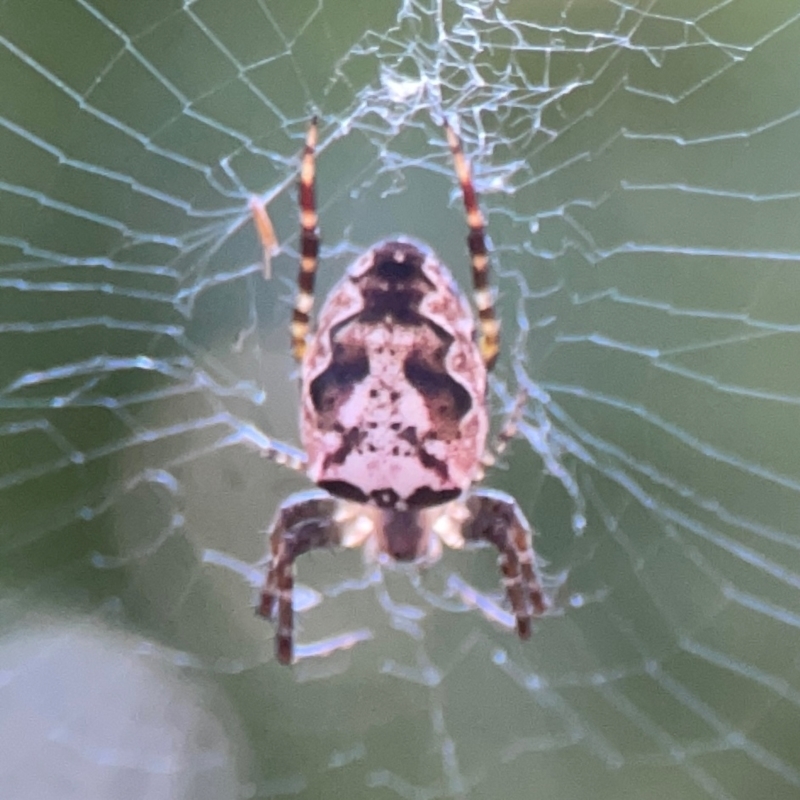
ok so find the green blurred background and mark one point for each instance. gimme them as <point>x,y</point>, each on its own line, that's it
<point>638,168</point>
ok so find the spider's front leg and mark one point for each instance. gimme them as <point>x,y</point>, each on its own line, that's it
<point>495,517</point>
<point>304,522</point>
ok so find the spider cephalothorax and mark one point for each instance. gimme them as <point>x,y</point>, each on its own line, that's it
<point>393,412</point>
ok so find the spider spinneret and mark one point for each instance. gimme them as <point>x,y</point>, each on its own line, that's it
<point>393,413</point>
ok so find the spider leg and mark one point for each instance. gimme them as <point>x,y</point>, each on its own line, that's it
<point>304,522</point>
<point>309,243</point>
<point>489,341</point>
<point>271,449</point>
<point>266,233</point>
<point>495,517</point>
<point>309,246</point>
<point>508,430</point>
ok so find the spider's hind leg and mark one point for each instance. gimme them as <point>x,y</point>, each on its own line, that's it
<point>495,517</point>
<point>507,431</point>
<point>304,522</point>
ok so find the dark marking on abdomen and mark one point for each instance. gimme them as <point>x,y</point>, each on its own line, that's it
<point>409,434</point>
<point>425,497</point>
<point>446,399</point>
<point>331,388</point>
<point>351,439</point>
<point>345,490</point>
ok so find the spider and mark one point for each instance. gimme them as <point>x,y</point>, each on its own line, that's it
<point>393,413</point>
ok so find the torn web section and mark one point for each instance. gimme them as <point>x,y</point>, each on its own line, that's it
<point>632,166</point>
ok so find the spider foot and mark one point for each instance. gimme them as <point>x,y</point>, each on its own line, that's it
<point>284,647</point>
<point>518,594</point>
<point>496,518</point>
<point>538,600</point>
<point>276,606</point>
<point>267,605</point>
<point>534,604</point>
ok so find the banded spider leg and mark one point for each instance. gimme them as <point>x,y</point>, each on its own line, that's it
<point>496,518</point>
<point>306,521</point>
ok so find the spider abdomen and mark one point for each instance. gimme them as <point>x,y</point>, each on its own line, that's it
<point>393,383</point>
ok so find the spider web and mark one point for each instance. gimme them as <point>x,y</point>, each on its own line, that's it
<point>636,163</point>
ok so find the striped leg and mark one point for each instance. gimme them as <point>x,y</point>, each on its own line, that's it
<point>507,432</point>
<point>496,518</point>
<point>489,341</point>
<point>309,243</point>
<point>271,449</point>
<point>304,523</point>
<point>309,246</point>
